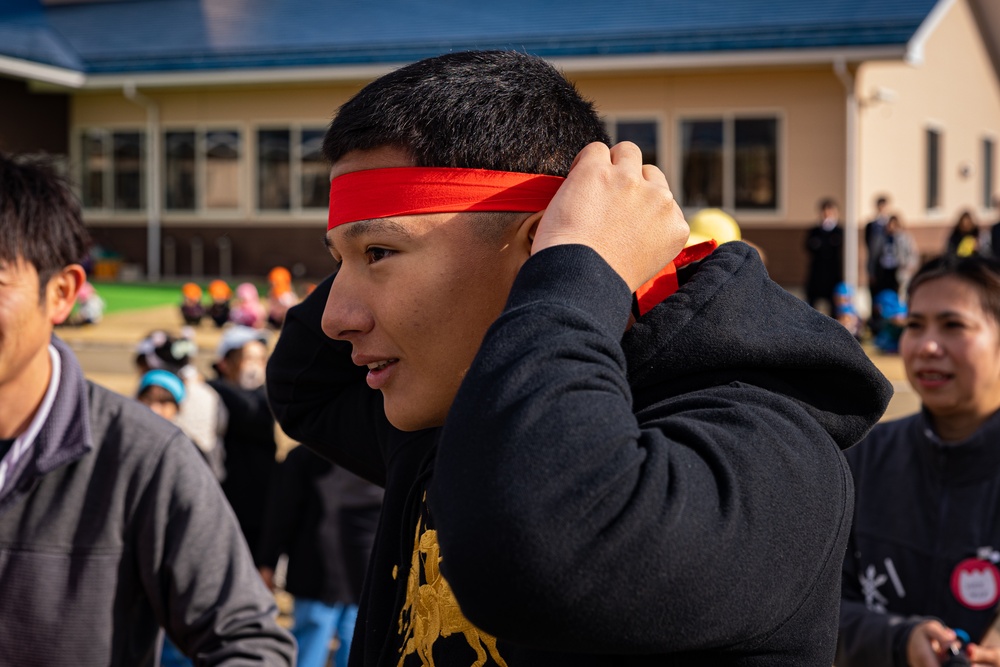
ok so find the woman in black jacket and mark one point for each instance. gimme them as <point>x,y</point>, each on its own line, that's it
<point>922,561</point>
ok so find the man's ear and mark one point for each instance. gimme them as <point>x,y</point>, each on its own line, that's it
<point>526,231</point>
<point>61,291</point>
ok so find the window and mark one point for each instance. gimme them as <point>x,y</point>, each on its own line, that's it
<point>933,169</point>
<point>988,195</point>
<point>274,148</point>
<point>113,169</point>
<point>642,133</point>
<point>730,163</point>
<point>701,163</point>
<point>94,162</point>
<point>292,174</point>
<point>755,163</point>
<point>202,170</point>
<point>179,151</point>
<point>315,173</point>
<point>222,169</point>
<point>129,170</point>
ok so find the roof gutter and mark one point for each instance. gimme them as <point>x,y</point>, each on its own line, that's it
<point>568,64</point>
<point>32,71</point>
<point>725,59</point>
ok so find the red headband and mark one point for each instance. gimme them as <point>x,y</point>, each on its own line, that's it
<point>385,193</point>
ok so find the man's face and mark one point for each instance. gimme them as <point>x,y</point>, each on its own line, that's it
<point>25,325</point>
<point>245,367</point>
<point>414,296</point>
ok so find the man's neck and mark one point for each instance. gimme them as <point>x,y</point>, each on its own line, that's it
<point>21,396</point>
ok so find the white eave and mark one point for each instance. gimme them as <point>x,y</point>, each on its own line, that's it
<point>32,71</point>
<point>568,64</point>
<point>915,47</point>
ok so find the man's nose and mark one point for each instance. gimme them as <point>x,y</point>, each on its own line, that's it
<point>345,315</point>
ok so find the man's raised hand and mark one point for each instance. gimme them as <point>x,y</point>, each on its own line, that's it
<point>621,208</point>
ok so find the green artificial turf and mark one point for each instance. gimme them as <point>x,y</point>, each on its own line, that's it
<point>136,296</point>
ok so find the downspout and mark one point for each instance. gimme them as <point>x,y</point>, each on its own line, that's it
<point>851,175</point>
<point>152,178</point>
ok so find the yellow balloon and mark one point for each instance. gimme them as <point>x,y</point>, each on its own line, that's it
<point>713,223</point>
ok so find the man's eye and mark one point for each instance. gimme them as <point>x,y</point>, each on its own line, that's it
<point>375,254</point>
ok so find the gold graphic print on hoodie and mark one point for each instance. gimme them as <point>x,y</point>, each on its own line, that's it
<point>431,611</point>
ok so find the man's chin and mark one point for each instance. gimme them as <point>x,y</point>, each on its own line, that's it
<point>409,419</point>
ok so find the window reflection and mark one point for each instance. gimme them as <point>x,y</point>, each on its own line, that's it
<point>273,169</point>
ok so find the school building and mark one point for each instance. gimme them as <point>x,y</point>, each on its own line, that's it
<point>193,127</point>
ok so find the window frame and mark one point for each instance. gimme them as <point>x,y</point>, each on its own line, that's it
<point>988,190</point>
<point>728,116</point>
<point>936,210</point>
<point>295,211</point>
<point>657,118</point>
<point>201,212</point>
<point>107,209</point>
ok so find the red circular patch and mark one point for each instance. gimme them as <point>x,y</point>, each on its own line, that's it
<point>976,583</point>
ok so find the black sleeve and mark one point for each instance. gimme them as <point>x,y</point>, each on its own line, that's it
<point>320,397</point>
<point>569,522</point>
<point>813,241</point>
<point>283,514</point>
<point>867,638</point>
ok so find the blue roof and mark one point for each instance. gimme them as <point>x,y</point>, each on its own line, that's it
<point>177,35</point>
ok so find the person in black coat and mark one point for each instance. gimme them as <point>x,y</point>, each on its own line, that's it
<point>250,446</point>
<point>574,475</point>
<point>825,245</point>
<point>323,518</point>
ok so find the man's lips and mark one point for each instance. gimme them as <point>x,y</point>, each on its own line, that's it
<point>380,369</point>
<point>371,360</point>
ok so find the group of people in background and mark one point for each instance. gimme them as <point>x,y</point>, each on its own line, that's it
<point>892,259</point>
<point>247,309</point>
<point>317,515</point>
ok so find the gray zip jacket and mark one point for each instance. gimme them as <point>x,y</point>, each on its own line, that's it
<point>111,525</point>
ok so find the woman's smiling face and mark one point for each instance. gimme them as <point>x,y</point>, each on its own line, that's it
<point>951,350</point>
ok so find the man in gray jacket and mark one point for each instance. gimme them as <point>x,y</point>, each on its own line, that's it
<point>111,525</point>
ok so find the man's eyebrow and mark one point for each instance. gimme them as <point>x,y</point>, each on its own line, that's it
<point>376,225</point>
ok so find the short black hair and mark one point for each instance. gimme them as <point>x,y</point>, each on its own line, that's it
<point>881,201</point>
<point>983,273</point>
<point>499,110</point>
<point>827,202</point>
<point>40,220</point>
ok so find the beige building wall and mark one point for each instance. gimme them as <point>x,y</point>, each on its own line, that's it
<point>246,109</point>
<point>808,102</point>
<point>954,90</point>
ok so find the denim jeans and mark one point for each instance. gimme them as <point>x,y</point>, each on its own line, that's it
<point>315,624</point>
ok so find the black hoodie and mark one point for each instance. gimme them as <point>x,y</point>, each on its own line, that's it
<point>677,496</point>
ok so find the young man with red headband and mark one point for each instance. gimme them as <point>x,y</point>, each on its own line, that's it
<point>565,484</point>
